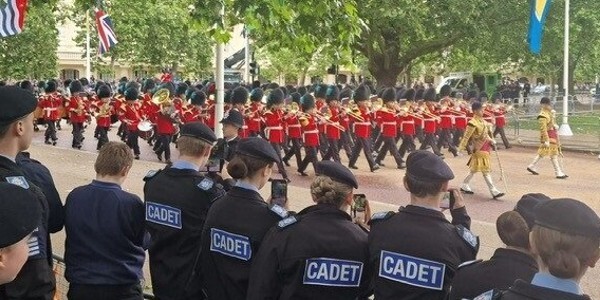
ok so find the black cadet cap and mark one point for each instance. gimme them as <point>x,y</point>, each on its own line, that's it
<point>425,166</point>
<point>568,216</point>
<point>527,204</point>
<point>20,213</point>
<point>200,131</point>
<point>233,117</point>
<point>15,103</point>
<point>337,172</point>
<point>258,148</point>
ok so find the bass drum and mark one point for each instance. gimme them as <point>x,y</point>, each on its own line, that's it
<point>145,129</point>
<point>38,115</point>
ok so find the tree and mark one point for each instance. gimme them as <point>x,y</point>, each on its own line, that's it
<point>32,53</point>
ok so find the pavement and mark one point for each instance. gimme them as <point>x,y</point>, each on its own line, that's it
<point>71,168</point>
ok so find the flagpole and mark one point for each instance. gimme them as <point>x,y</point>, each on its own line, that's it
<point>565,129</point>
<point>220,82</point>
<point>247,55</point>
<point>88,60</point>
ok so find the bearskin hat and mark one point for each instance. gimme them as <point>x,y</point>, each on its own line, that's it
<point>483,97</point>
<point>476,106</point>
<point>97,85</point>
<point>41,84</point>
<point>227,96</point>
<point>272,86</point>
<point>361,93</point>
<point>545,100</point>
<point>169,86</point>
<point>445,90</point>
<point>332,93</point>
<point>198,97</point>
<point>346,93</point>
<point>302,90</point>
<point>256,95</point>
<point>296,97</point>
<point>497,96</point>
<point>419,94</point>
<point>26,85</point>
<point>284,90</point>
<point>50,86</point>
<point>181,88</point>
<point>121,88</point>
<point>409,95</point>
<point>239,95</point>
<point>67,83</point>
<point>430,95</point>
<point>132,84</point>
<point>123,79</point>
<point>84,81</point>
<point>399,93</point>
<point>148,85</point>
<point>75,87</point>
<point>471,95</point>
<point>388,95</point>
<point>320,91</point>
<point>255,84</point>
<point>103,91</point>
<point>275,97</point>
<point>131,93</point>
<point>307,102</point>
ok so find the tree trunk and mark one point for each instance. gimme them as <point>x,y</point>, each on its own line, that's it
<point>385,77</point>
<point>302,77</point>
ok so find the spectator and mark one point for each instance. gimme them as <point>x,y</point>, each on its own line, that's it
<point>104,252</point>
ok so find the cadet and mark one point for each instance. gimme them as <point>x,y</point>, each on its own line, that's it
<point>421,258</point>
<point>507,264</point>
<point>36,280</point>
<point>332,265</point>
<point>20,214</point>
<point>566,241</point>
<point>177,202</point>
<point>236,224</point>
<point>104,248</point>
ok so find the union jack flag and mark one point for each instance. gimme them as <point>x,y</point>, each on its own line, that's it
<point>105,32</point>
<point>12,16</point>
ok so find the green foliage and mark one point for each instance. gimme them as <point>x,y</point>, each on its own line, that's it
<point>154,34</point>
<point>32,53</point>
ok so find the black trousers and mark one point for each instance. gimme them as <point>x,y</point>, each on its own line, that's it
<point>408,144</point>
<point>323,144</point>
<point>365,145</point>
<point>102,136</point>
<point>294,150</point>
<point>429,140</point>
<point>280,166</point>
<point>164,142</point>
<point>445,139</point>
<point>132,141</point>
<point>378,143</point>
<point>420,134</point>
<point>458,134</point>
<point>389,145</point>
<point>333,152</point>
<point>500,130</point>
<point>50,131</point>
<point>105,292</point>
<point>311,157</point>
<point>77,134</point>
<point>346,143</point>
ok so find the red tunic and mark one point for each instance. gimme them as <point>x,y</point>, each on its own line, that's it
<point>310,131</point>
<point>333,132</point>
<point>209,110</point>
<point>388,122</point>
<point>293,127</point>
<point>500,117</point>
<point>362,128</point>
<point>105,110</point>
<point>164,124</point>
<point>78,108</point>
<point>407,125</point>
<point>319,105</point>
<point>190,114</point>
<point>130,114</point>
<point>274,126</point>
<point>253,118</point>
<point>50,104</point>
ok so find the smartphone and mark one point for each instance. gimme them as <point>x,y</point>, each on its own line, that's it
<point>213,165</point>
<point>359,205</point>
<point>279,192</point>
<point>448,200</point>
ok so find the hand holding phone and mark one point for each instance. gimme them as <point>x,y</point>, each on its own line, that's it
<point>279,192</point>
<point>361,210</point>
<point>448,200</point>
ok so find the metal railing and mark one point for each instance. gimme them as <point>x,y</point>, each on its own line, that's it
<point>62,285</point>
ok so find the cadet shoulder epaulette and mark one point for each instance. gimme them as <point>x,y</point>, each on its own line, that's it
<point>279,211</point>
<point>469,263</point>
<point>382,215</point>
<point>18,181</point>
<point>151,174</point>
<point>206,184</point>
<point>287,222</point>
<point>489,295</point>
<point>468,236</point>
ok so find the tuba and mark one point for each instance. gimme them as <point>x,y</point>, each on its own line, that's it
<point>161,97</point>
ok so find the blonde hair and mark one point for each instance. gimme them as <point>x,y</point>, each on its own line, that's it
<point>191,146</point>
<point>565,255</point>
<point>326,190</point>
<point>113,158</point>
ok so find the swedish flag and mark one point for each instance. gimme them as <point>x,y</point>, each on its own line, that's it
<point>539,11</point>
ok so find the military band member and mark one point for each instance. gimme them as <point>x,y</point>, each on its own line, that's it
<point>104,111</point>
<point>51,104</point>
<point>320,93</point>
<point>362,128</point>
<point>131,115</point>
<point>407,119</point>
<point>346,138</point>
<point>273,118</point>
<point>419,108</point>
<point>294,130</point>
<point>480,134</point>
<point>550,143</point>
<point>287,267</point>
<point>388,121</point>
<point>149,108</point>
<point>446,120</point>
<point>419,261</point>
<point>165,125</point>
<point>78,112</point>
<point>253,116</point>
<point>175,223</point>
<point>239,98</point>
<point>332,127</point>
<point>310,133</point>
<point>430,120</point>
<point>241,218</point>
<point>461,121</point>
<point>500,110</point>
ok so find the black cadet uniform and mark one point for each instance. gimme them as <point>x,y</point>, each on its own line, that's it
<point>506,265</point>
<point>234,230</point>
<point>420,260</point>
<point>177,202</point>
<point>36,279</point>
<point>318,254</point>
<point>568,216</point>
<point>20,212</point>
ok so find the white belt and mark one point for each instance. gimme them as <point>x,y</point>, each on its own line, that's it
<point>294,126</point>
<point>274,128</point>
<point>50,108</point>
<point>389,123</point>
<point>362,123</point>
<point>408,122</point>
<point>311,131</point>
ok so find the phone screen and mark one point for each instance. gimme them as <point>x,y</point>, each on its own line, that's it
<point>359,204</point>
<point>279,192</point>
<point>447,201</point>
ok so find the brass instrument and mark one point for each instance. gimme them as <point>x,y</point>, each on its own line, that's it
<point>161,97</point>
<point>376,104</point>
<point>104,110</point>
